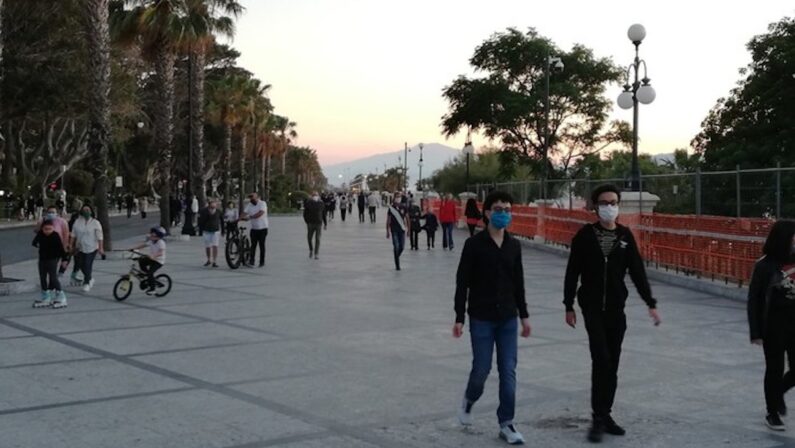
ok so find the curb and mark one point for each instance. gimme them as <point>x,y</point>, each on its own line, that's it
<point>15,286</point>
<point>661,275</point>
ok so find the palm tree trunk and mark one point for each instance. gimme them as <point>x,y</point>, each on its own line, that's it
<point>197,128</point>
<point>227,163</point>
<point>164,127</point>
<point>267,175</point>
<point>95,16</point>
<point>242,183</point>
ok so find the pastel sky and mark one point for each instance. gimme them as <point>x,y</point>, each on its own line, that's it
<point>361,77</point>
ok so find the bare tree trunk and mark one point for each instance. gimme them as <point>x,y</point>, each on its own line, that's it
<point>267,176</point>
<point>95,16</point>
<point>10,160</point>
<point>227,178</point>
<point>284,162</point>
<point>197,129</point>
<point>164,127</point>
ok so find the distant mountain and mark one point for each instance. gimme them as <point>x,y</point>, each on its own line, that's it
<point>434,156</point>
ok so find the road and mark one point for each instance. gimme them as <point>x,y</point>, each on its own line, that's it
<point>15,242</point>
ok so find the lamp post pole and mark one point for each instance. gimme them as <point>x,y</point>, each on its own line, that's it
<point>557,63</point>
<point>639,92</point>
<point>187,225</point>
<point>419,184</point>
<point>468,150</point>
<point>405,166</point>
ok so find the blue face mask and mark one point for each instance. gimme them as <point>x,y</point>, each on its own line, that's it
<point>51,216</point>
<point>500,220</point>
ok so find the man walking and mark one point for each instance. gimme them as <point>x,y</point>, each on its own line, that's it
<point>314,214</point>
<point>601,254</point>
<point>343,206</point>
<point>397,224</point>
<point>256,211</point>
<point>360,200</point>
<point>209,221</point>
<point>372,204</point>
<point>490,278</point>
<point>447,217</point>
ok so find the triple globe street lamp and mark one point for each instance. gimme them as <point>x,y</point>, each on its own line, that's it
<point>640,91</point>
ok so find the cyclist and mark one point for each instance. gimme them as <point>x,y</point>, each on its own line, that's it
<point>156,257</point>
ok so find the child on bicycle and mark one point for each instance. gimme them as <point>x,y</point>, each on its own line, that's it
<point>156,257</point>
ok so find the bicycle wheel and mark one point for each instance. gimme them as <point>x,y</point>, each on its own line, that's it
<point>162,285</point>
<point>233,254</point>
<point>123,288</point>
<point>246,251</point>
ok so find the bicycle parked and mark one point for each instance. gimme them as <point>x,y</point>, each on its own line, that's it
<point>125,285</point>
<point>238,247</point>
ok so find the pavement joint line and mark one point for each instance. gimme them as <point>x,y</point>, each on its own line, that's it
<point>65,404</point>
<point>285,440</point>
<point>196,383</point>
<point>49,363</point>
<point>133,327</point>
<point>204,347</point>
<point>10,338</point>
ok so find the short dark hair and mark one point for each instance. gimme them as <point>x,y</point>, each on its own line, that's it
<point>496,196</point>
<point>47,222</point>
<point>601,189</point>
<point>778,245</point>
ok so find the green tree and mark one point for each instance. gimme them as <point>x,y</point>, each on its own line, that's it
<point>507,103</point>
<point>755,125</point>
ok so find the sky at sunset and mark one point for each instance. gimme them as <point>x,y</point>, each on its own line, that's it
<point>361,77</point>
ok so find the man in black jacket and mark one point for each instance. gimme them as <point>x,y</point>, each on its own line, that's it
<point>491,279</point>
<point>601,254</point>
<point>210,219</point>
<point>314,216</point>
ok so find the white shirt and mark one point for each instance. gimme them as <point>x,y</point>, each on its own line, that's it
<point>154,248</point>
<point>230,215</point>
<point>87,234</point>
<point>252,209</point>
<point>372,201</point>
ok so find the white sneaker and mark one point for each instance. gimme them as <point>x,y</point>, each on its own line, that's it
<point>465,413</point>
<point>87,287</point>
<point>511,435</point>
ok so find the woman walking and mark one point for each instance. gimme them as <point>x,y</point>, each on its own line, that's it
<point>771,316</point>
<point>87,239</point>
<point>473,215</point>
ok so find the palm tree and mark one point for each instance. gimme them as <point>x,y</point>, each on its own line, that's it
<point>258,108</point>
<point>158,26</point>
<point>226,108</point>
<point>286,132</point>
<point>206,19</point>
<point>95,22</point>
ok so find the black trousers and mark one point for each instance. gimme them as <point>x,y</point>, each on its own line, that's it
<point>343,210</point>
<point>472,228</point>
<point>361,214</point>
<point>372,214</point>
<point>778,343</point>
<point>258,239</point>
<point>48,274</point>
<point>149,267</point>
<point>415,237</point>
<point>431,238</point>
<point>605,335</point>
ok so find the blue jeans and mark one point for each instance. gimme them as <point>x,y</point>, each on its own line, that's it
<point>85,263</point>
<point>485,335</point>
<point>447,235</point>
<point>398,244</point>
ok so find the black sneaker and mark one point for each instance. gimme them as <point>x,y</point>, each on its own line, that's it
<point>612,428</point>
<point>774,422</point>
<point>596,432</point>
<point>782,411</point>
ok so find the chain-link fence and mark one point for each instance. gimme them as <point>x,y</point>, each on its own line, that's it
<point>742,193</point>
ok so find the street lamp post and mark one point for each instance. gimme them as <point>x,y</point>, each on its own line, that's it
<point>468,150</point>
<point>406,166</point>
<point>557,65</point>
<point>419,184</point>
<point>640,91</point>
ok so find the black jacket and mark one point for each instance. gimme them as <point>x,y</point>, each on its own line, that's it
<point>210,222</point>
<point>601,279</point>
<point>770,293</point>
<point>314,212</point>
<point>50,247</point>
<point>491,279</point>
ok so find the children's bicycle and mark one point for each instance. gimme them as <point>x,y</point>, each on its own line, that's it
<point>125,284</point>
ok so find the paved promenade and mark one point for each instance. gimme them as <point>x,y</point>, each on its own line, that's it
<point>345,352</point>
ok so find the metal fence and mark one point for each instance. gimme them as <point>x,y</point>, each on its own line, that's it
<point>756,193</point>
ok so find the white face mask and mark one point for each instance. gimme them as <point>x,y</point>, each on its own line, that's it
<point>608,213</point>
<point>315,198</point>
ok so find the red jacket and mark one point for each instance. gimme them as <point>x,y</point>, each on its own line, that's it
<point>447,212</point>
